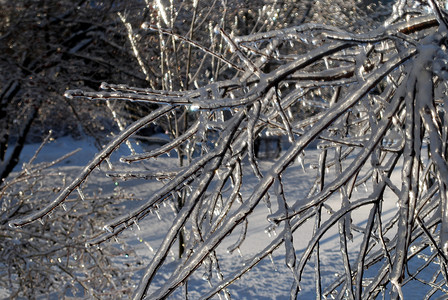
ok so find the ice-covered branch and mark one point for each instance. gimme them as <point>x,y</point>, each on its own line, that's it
<point>371,104</point>
<point>96,161</point>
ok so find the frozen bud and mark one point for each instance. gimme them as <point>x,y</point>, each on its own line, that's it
<point>194,107</point>
<point>108,228</point>
<point>206,276</point>
<point>68,95</point>
<point>12,225</point>
<point>146,26</point>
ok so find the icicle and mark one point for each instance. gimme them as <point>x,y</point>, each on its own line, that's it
<point>226,294</point>
<point>109,163</point>
<point>395,121</point>
<point>156,211</point>
<point>173,256</point>
<point>80,193</point>
<point>239,251</point>
<point>267,202</point>
<point>207,275</point>
<point>64,207</point>
<point>173,208</point>
<point>136,224</point>
<point>162,11</point>
<point>300,160</point>
<point>271,258</point>
<point>326,63</point>
<point>149,246</point>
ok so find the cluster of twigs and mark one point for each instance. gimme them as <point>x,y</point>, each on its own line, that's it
<point>49,257</point>
<point>378,103</point>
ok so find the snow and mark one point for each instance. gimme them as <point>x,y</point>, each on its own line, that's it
<point>59,147</point>
<point>269,279</point>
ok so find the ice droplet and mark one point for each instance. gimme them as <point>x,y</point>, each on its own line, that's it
<point>268,232</point>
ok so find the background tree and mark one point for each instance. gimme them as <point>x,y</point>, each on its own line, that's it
<point>46,47</point>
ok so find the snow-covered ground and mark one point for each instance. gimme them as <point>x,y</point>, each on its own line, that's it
<point>270,279</point>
